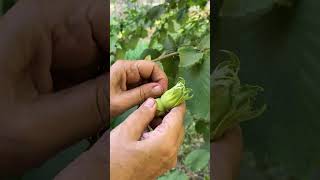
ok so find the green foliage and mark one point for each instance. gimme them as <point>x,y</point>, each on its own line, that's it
<point>178,38</point>
<point>278,44</point>
<point>197,159</point>
<point>174,175</point>
<point>231,102</point>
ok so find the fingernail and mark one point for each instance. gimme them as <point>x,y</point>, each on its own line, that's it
<point>157,90</point>
<point>149,103</point>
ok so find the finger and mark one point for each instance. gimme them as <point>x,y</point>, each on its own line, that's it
<point>173,122</point>
<point>136,71</point>
<point>139,94</point>
<point>170,128</point>
<point>136,123</point>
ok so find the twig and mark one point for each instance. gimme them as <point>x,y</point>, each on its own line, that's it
<point>165,56</point>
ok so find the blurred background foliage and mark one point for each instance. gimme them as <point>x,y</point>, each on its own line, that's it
<point>278,44</point>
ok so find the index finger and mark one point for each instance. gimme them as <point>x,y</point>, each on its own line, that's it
<point>142,69</point>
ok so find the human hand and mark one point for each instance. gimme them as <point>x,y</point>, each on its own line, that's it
<point>47,46</point>
<point>65,39</point>
<point>226,155</point>
<point>135,154</point>
<point>132,82</point>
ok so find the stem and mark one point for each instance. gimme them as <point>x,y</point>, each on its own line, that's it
<point>160,58</point>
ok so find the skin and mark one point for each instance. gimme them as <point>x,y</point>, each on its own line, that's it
<point>226,155</point>
<point>49,54</point>
<point>134,80</point>
<point>154,152</point>
<point>141,154</point>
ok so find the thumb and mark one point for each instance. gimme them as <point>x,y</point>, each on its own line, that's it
<point>137,122</point>
<point>141,93</point>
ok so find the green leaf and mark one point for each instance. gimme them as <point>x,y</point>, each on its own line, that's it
<point>174,175</point>
<point>205,42</point>
<point>131,43</point>
<point>169,44</point>
<point>155,12</point>
<point>203,127</point>
<point>152,52</point>
<point>120,54</point>
<point>231,102</point>
<point>182,14</point>
<point>197,159</point>
<point>198,79</point>
<point>189,56</point>
<point>170,66</point>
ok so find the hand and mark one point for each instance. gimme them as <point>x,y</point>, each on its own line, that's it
<point>226,155</point>
<point>45,47</point>
<point>132,82</point>
<point>61,42</point>
<point>135,154</point>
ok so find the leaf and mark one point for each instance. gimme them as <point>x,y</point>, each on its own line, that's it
<point>131,43</point>
<point>113,42</point>
<point>170,66</point>
<point>203,127</point>
<point>149,51</point>
<point>197,159</point>
<point>205,42</point>
<point>198,79</point>
<point>231,102</point>
<point>169,44</point>
<point>148,58</point>
<point>189,56</point>
<point>174,175</point>
<point>155,12</point>
<point>182,14</point>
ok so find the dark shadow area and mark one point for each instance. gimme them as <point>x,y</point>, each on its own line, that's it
<point>54,89</point>
<point>278,47</point>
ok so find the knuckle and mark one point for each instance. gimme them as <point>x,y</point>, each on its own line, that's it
<point>119,62</point>
<point>142,111</point>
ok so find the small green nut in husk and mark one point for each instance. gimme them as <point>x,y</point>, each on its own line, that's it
<point>173,97</point>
